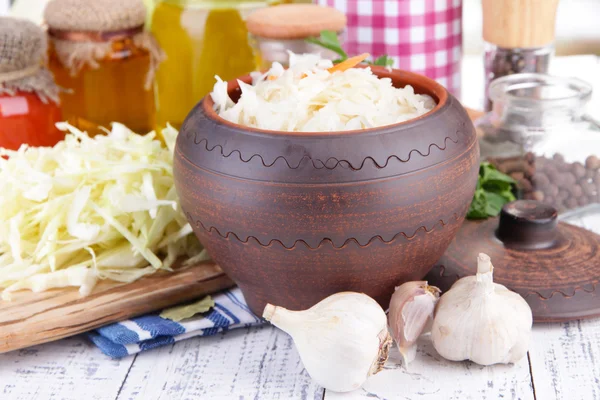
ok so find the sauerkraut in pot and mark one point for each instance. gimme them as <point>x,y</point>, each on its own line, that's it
<point>306,97</point>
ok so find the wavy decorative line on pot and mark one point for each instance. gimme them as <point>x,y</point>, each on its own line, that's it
<point>335,160</point>
<point>547,295</point>
<point>544,294</point>
<point>398,235</point>
<point>444,133</point>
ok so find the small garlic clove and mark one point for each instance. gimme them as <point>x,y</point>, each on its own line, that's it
<point>342,340</point>
<point>411,314</point>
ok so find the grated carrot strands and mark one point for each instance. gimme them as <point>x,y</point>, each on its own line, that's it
<point>349,63</point>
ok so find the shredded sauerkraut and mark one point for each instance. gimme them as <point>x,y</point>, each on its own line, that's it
<point>88,209</point>
<point>307,97</point>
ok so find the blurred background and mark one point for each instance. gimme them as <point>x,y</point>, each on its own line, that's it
<point>577,42</point>
<point>577,27</point>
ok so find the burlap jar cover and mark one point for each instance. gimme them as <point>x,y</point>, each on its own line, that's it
<point>83,31</point>
<point>23,49</point>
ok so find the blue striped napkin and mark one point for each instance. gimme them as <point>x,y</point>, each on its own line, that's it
<point>150,331</point>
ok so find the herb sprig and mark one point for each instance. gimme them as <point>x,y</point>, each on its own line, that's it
<point>329,40</point>
<point>494,190</point>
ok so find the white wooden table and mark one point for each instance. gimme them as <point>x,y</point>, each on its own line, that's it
<point>261,362</point>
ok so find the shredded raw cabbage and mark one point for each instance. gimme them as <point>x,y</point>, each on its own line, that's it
<point>307,97</point>
<point>89,209</point>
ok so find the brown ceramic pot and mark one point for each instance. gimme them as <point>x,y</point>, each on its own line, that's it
<point>295,217</point>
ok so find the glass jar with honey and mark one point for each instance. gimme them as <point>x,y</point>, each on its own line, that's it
<point>29,98</point>
<point>101,55</point>
<point>201,38</point>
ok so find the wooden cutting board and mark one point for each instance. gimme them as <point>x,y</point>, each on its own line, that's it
<point>34,318</point>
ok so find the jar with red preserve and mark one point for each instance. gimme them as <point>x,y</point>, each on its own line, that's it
<point>539,133</point>
<point>29,101</point>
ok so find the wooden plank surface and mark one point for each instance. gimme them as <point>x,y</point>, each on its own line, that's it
<point>430,377</point>
<point>565,360</point>
<point>248,363</point>
<point>261,363</point>
<point>71,369</point>
<point>33,318</point>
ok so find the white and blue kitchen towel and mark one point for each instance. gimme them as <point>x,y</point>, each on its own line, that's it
<point>150,331</point>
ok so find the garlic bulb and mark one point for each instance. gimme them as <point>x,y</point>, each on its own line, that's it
<point>481,321</point>
<point>342,340</point>
<point>411,314</point>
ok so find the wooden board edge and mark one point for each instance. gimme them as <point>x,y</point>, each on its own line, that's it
<point>57,321</point>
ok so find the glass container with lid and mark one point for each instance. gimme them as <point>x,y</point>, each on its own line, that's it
<point>29,98</point>
<point>105,60</point>
<point>539,134</point>
<point>519,38</point>
<point>202,38</point>
<point>276,30</point>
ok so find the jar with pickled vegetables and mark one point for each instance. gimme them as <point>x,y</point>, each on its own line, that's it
<point>538,132</point>
<point>202,38</point>
<point>101,55</point>
<point>29,98</point>
<point>275,30</point>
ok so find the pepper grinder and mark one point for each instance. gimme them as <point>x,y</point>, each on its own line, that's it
<point>519,37</point>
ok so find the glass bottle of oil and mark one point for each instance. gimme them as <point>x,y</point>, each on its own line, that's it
<point>202,38</point>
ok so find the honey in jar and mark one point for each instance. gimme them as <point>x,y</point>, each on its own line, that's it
<point>29,100</point>
<point>101,55</point>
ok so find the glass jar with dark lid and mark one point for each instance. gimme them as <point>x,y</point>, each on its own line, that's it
<point>539,134</point>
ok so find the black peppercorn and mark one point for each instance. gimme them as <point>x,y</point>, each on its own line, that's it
<point>540,180</point>
<point>571,203</point>
<point>578,170</point>
<point>592,162</point>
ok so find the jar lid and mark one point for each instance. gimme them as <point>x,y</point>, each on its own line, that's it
<point>23,48</point>
<point>519,23</point>
<point>295,21</point>
<point>96,15</point>
<point>22,44</point>
<point>555,266</point>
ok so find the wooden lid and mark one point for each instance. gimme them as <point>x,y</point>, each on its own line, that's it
<point>554,266</point>
<point>295,21</point>
<point>519,23</point>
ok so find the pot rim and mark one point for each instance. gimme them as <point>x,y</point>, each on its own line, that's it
<point>421,83</point>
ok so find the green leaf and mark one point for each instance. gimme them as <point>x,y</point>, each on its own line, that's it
<point>508,195</point>
<point>496,186</point>
<point>489,173</point>
<point>477,210</point>
<point>493,175</point>
<point>494,190</point>
<point>179,313</point>
<point>383,61</point>
<point>494,203</point>
<point>329,40</point>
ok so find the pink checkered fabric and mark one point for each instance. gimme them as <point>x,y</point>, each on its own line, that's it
<point>423,36</point>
